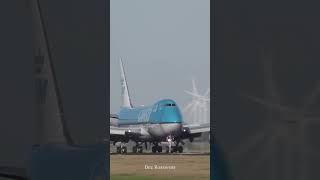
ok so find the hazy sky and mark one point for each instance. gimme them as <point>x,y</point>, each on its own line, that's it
<point>163,44</point>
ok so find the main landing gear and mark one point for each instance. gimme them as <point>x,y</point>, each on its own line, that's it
<point>137,149</point>
<point>156,148</point>
<point>122,149</point>
<point>173,147</point>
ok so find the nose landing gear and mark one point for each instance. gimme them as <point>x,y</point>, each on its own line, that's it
<point>169,140</point>
<point>173,149</point>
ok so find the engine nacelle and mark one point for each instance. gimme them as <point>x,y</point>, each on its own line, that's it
<point>185,131</point>
<point>186,134</point>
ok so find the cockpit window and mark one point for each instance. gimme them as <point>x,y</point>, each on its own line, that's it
<point>170,105</point>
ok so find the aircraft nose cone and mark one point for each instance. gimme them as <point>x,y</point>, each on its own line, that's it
<point>171,116</point>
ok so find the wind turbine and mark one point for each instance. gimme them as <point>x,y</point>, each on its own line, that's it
<point>197,108</point>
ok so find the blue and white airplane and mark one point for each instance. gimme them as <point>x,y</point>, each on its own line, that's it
<point>159,123</point>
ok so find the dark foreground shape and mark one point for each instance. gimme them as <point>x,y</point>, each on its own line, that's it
<point>58,161</point>
<point>219,166</point>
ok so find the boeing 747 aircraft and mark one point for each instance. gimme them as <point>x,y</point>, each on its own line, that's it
<point>159,123</point>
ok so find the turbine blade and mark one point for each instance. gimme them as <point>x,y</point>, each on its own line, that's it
<point>186,107</point>
<point>274,106</point>
<point>194,87</point>
<point>197,96</point>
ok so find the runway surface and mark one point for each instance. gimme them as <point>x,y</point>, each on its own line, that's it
<point>149,166</point>
<point>171,154</point>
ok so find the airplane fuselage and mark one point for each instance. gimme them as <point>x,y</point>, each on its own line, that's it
<point>157,121</point>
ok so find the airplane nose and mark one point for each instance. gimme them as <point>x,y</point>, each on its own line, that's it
<point>171,119</point>
<point>172,116</point>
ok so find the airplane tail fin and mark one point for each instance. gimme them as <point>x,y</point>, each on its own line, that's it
<point>125,96</point>
<point>51,124</point>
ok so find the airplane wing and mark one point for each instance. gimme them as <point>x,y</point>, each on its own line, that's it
<point>123,131</point>
<point>191,131</point>
<point>115,116</point>
<point>197,128</point>
<point>118,134</point>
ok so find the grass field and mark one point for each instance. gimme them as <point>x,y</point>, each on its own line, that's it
<point>136,177</point>
<point>144,167</point>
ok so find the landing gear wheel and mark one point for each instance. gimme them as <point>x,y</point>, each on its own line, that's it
<point>140,149</point>
<point>118,150</point>
<point>174,149</point>
<point>123,150</point>
<point>154,149</point>
<point>159,149</point>
<point>167,149</point>
<point>134,149</point>
<point>180,149</point>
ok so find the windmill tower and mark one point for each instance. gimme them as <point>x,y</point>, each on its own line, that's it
<point>197,109</point>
